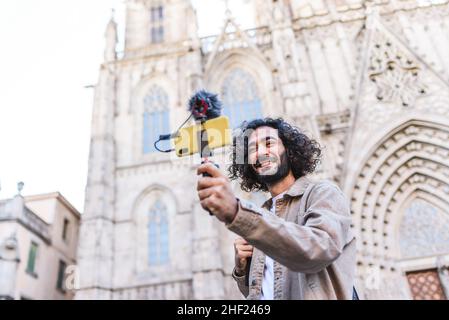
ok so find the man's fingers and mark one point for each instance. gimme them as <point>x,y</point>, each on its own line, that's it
<point>209,203</point>
<point>246,247</point>
<point>244,254</point>
<point>206,204</point>
<point>204,193</point>
<point>207,182</point>
<point>210,169</point>
<point>240,241</point>
<point>243,262</point>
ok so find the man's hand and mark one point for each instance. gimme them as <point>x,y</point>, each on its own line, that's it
<point>215,193</point>
<point>243,250</point>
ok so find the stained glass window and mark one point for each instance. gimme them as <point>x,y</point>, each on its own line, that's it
<point>155,119</point>
<point>423,230</point>
<point>240,98</point>
<point>158,235</point>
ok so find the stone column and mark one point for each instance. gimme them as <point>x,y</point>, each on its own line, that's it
<point>95,251</point>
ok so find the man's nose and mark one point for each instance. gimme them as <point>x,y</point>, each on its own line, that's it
<point>263,151</point>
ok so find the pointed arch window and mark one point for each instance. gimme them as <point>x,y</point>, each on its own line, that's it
<point>423,230</point>
<point>157,24</point>
<point>240,97</point>
<point>158,236</point>
<point>156,118</point>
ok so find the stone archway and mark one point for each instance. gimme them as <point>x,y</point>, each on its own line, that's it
<point>413,157</point>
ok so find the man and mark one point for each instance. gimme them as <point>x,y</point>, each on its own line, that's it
<point>299,243</point>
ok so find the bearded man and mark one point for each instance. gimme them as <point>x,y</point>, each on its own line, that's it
<point>299,244</point>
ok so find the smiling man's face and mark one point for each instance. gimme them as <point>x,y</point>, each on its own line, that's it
<point>267,156</point>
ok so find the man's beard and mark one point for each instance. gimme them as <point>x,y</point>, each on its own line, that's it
<point>281,173</point>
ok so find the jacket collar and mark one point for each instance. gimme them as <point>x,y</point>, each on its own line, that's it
<point>297,189</point>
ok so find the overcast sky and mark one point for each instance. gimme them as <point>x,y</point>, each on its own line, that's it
<point>50,50</point>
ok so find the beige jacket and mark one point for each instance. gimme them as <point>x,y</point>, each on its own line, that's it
<point>309,239</point>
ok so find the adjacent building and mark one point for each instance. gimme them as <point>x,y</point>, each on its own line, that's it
<point>38,243</point>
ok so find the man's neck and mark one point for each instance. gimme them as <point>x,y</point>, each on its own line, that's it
<point>283,185</point>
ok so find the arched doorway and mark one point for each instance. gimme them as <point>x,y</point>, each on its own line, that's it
<point>410,161</point>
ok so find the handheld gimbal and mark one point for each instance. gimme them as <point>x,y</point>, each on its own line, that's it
<point>210,131</point>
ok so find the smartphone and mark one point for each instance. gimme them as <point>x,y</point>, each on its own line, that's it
<point>218,135</point>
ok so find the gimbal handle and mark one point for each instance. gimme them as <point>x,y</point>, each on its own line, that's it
<point>205,174</point>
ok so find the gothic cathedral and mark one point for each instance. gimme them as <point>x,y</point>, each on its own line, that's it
<point>369,79</point>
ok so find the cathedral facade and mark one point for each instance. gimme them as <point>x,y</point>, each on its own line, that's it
<point>368,79</point>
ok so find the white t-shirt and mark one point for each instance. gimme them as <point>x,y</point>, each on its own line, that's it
<point>268,273</point>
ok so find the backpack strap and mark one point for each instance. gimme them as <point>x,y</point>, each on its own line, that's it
<point>355,296</point>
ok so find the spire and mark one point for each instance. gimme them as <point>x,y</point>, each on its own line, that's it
<point>20,186</point>
<point>228,12</point>
<point>231,34</point>
<point>110,52</point>
<point>229,20</point>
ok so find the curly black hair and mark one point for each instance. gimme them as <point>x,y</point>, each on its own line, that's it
<point>303,153</point>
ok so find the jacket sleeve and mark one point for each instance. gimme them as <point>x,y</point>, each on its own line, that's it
<point>307,248</point>
<point>241,283</point>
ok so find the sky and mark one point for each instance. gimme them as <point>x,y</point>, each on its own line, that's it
<point>50,51</point>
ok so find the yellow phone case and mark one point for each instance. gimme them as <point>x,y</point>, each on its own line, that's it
<point>218,135</point>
